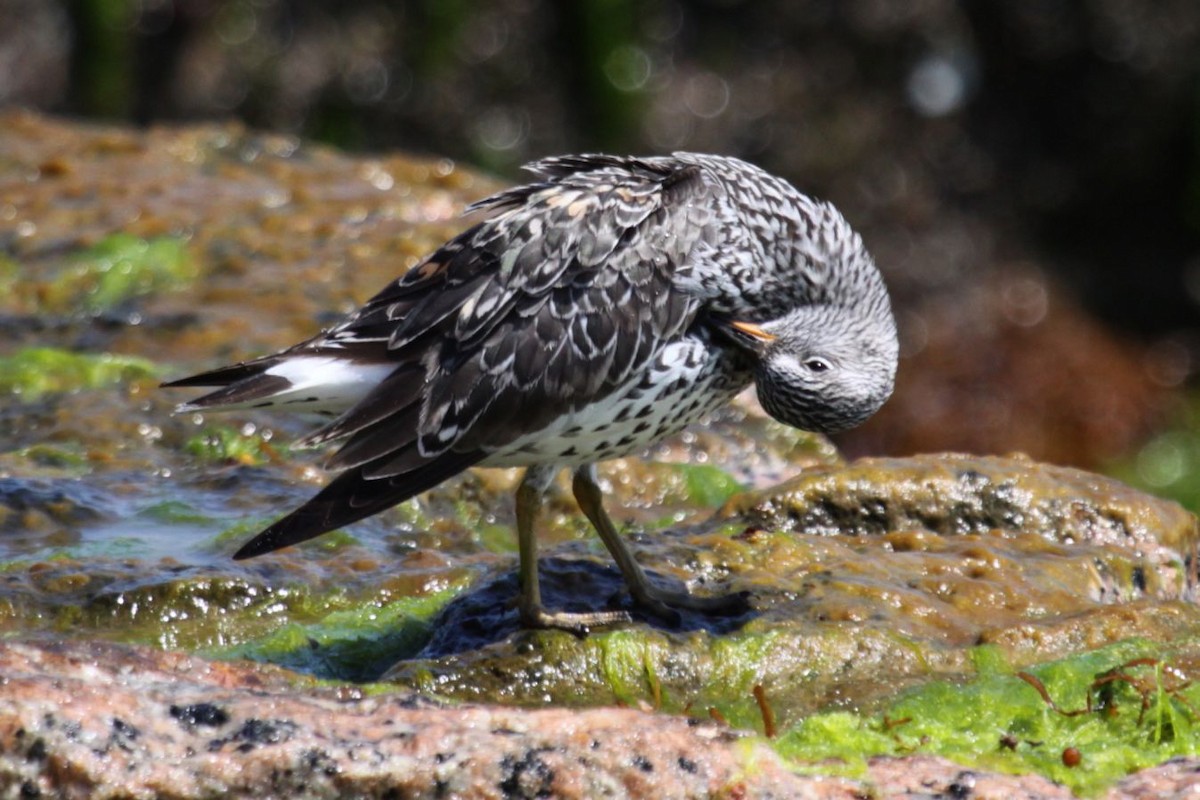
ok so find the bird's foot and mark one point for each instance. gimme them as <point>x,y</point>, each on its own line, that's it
<point>579,624</point>
<point>665,604</point>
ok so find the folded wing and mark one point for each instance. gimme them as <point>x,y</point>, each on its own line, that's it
<point>563,294</point>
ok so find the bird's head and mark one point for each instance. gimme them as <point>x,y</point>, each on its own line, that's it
<point>822,368</point>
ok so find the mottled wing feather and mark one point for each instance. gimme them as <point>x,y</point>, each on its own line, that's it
<point>551,304</point>
<point>548,305</point>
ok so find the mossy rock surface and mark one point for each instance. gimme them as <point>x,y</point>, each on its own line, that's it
<point>846,607</point>
<point>140,256</point>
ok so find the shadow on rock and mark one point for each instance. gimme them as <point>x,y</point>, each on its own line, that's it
<point>488,615</point>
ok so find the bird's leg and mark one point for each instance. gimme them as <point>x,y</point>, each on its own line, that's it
<point>533,615</point>
<point>659,602</point>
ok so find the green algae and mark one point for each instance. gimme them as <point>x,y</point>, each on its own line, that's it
<point>706,484</point>
<point>54,457</point>
<point>496,538</point>
<point>173,512</point>
<point>1000,720</point>
<point>101,278</point>
<point>673,671</point>
<point>237,532</point>
<point>248,445</point>
<point>10,277</point>
<point>118,268</point>
<point>356,643</point>
<point>36,371</point>
<point>56,460</point>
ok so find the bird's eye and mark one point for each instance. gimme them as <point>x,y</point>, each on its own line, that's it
<point>817,364</point>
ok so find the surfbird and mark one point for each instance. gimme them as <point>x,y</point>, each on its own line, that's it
<point>609,303</point>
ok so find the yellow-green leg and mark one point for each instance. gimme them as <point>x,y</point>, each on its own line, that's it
<point>533,615</point>
<point>659,602</point>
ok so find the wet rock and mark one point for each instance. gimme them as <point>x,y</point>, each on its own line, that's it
<point>925,776</point>
<point>87,720</point>
<point>1177,778</point>
<point>960,494</point>
<point>273,238</point>
<point>935,555</point>
<point>952,494</point>
<point>47,511</point>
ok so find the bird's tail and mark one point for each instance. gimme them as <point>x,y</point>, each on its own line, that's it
<point>351,497</point>
<point>303,382</point>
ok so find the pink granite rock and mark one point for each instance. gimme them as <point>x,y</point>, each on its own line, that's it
<point>98,720</point>
<point>93,720</point>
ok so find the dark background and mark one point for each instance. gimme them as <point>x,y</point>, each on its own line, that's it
<point>1038,149</point>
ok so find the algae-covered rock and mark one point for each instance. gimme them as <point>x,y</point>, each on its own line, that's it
<point>932,556</point>
<point>956,494</point>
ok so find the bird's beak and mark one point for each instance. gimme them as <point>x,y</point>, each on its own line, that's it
<point>753,331</point>
<point>746,335</point>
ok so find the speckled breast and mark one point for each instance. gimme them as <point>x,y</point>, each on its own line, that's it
<point>689,379</point>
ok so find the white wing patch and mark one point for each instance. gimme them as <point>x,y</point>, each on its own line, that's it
<point>323,383</point>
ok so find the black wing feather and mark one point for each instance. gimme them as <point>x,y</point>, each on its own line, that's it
<point>227,375</point>
<point>554,287</point>
<point>349,498</point>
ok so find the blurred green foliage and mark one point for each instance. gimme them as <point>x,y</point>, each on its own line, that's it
<point>36,371</point>
<point>104,51</point>
<point>1169,464</point>
<point>99,278</point>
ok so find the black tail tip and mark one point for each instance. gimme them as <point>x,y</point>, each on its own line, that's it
<point>258,546</point>
<point>244,553</point>
<point>265,542</point>
<point>292,529</point>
